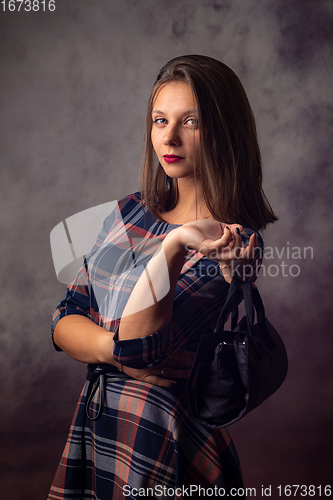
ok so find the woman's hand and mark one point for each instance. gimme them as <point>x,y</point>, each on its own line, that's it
<point>177,366</point>
<point>219,242</point>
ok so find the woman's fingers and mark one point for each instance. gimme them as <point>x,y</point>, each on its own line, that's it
<point>223,243</point>
<point>163,375</point>
<point>156,380</point>
<point>151,375</point>
<point>228,247</point>
<point>237,240</point>
<point>249,252</point>
<point>217,241</point>
<point>203,235</point>
<point>166,376</point>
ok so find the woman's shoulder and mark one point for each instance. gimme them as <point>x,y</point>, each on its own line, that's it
<point>132,208</point>
<point>126,205</point>
<point>131,200</point>
<point>129,211</point>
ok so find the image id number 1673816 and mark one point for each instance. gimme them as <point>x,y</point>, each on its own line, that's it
<point>28,5</point>
<point>305,491</point>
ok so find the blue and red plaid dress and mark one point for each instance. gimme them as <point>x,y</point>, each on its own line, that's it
<point>145,442</point>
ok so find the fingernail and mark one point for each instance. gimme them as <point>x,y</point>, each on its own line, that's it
<point>237,230</point>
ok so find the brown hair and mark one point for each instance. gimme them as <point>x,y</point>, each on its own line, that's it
<point>229,166</point>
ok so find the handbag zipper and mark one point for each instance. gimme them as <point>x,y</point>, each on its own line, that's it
<point>230,343</point>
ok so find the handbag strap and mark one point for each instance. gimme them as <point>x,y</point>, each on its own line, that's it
<point>248,302</point>
<point>242,290</point>
<point>258,305</point>
<point>230,305</point>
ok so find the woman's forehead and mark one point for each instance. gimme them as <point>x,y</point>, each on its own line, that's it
<point>174,94</point>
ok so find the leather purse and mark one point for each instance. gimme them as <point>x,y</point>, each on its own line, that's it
<point>235,371</point>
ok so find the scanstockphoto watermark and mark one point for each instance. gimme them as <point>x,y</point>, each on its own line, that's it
<point>186,492</point>
<point>285,261</point>
<point>72,239</point>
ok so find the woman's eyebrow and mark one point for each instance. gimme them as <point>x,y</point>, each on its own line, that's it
<point>188,112</point>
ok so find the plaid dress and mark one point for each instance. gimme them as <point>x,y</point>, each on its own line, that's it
<point>129,438</point>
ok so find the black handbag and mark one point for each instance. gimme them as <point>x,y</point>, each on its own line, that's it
<point>235,371</point>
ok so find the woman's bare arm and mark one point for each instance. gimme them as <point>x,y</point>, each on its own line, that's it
<point>215,240</point>
<point>83,340</point>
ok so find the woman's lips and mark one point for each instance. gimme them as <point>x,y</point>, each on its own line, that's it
<point>172,158</point>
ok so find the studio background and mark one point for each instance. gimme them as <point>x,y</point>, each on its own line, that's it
<point>74,85</point>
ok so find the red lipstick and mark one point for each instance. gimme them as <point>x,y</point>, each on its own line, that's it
<point>172,158</point>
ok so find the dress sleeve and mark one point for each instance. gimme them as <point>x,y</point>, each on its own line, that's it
<point>77,299</point>
<point>196,304</point>
<point>199,297</point>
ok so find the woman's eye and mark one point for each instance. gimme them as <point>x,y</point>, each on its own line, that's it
<point>192,121</point>
<point>160,121</point>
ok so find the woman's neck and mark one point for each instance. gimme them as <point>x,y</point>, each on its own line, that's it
<point>190,205</point>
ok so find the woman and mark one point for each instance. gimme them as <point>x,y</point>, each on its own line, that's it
<point>153,284</point>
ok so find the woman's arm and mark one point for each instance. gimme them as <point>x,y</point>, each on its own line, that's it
<point>216,241</point>
<point>84,340</point>
<point>147,320</point>
<point>81,338</point>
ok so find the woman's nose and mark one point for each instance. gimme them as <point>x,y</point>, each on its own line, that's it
<point>172,137</point>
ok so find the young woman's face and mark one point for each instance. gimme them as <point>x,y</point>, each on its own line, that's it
<point>175,130</point>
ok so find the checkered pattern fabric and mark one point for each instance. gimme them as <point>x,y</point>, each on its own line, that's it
<point>145,437</point>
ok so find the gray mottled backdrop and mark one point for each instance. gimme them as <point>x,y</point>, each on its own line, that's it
<point>73,91</point>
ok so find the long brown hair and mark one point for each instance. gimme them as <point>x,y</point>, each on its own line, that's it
<point>229,166</point>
